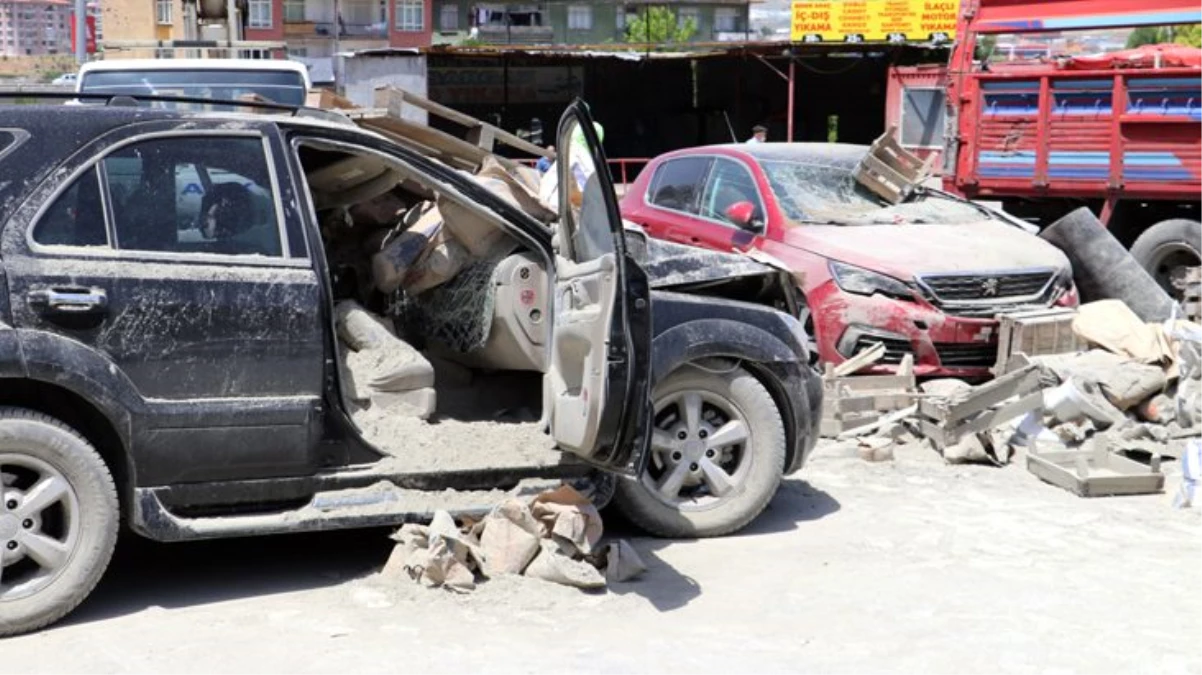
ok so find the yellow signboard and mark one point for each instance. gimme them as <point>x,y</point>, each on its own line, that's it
<point>874,20</point>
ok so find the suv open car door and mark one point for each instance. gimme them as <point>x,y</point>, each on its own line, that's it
<point>598,383</point>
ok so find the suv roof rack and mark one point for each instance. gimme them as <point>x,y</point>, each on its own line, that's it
<point>109,99</point>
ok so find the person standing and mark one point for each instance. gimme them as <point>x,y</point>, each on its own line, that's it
<point>759,134</point>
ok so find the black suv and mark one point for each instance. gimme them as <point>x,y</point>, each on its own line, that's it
<point>183,379</point>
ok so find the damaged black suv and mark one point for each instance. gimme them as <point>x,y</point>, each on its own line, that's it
<point>179,306</point>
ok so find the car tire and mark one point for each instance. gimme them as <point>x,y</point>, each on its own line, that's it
<point>1167,245</point>
<point>697,512</point>
<point>58,540</point>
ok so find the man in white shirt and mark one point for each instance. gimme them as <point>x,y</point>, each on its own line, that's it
<point>759,134</point>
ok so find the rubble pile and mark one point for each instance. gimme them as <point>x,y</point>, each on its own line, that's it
<point>555,537</point>
<point>1097,417</point>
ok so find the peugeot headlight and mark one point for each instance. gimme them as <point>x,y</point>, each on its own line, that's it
<point>864,282</point>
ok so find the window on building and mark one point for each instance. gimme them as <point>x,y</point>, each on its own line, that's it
<point>411,16</point>
<point>923,118</point>
<point>160,201</point>
<point>687,14</point>
<point>294,11</point>
<point>580,17</point>
<point>162,12</point>
<point>726,20</point>
<point>260,14</point>
<point>448,18</point>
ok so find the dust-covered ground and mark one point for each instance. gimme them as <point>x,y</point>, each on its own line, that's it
<point>904,566</point>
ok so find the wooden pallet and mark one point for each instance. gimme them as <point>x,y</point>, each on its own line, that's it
<point>947,421</point>
<point>1035,332</point>
<point>1095,471</point>
<point>890,170</point>
<point>854,401</point>
<point>386,118</point>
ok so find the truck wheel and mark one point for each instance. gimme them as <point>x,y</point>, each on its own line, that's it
<point>717,454</point>
<point>58,520</point>
<point>1166,249</point>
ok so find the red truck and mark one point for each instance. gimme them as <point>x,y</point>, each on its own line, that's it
<point>1119,132</point>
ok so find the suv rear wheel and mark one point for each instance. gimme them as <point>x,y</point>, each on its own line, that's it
<point>58,520</point>
<point>717,454</point>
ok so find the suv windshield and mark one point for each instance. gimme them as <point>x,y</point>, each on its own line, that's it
<point>225,85</point>
<point>811,193</point>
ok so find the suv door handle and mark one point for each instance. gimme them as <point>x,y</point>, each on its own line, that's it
<point>68,300</point>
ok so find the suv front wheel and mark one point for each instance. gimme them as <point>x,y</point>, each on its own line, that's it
<point>58,520</point>
<point>717,454</point>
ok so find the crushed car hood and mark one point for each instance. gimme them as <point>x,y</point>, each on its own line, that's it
<point>675,266</point>
<point>902,251</point>
<point>697,271</point>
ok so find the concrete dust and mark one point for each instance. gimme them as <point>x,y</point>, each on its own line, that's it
<point>447,444</point>
<point>892,567</point>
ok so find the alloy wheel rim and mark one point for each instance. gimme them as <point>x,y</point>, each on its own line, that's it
<point>39,525</point>
<point>700,450</point>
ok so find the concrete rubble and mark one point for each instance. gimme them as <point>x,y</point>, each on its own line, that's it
<point>1104,412</point>
<point>555,537</point>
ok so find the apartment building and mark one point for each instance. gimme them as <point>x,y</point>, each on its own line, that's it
<point>35,27</point>
<point>575,22</point>
<point>308,27</point>
<point>311,29</point>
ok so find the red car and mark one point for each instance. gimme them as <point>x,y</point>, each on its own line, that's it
<point>924,277</point>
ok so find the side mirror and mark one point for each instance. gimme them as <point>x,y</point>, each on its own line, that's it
<point>741,214</point>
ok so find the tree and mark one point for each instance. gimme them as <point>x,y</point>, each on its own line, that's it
<point>985,47</point>
<point>1190,35</point>
<point>658,25</point>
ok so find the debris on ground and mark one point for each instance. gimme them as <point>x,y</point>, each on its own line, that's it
<point>556,537</point>
<point>1103,399</point>
<point>851,401</point>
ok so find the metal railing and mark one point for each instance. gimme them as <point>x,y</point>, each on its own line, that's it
<point>624,174</point>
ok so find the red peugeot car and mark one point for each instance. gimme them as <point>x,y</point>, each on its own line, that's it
<point>925,277</point>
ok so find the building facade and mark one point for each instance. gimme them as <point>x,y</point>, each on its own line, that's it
<point>311,29</point>
<point>35,27</point>
<point>578,23</point>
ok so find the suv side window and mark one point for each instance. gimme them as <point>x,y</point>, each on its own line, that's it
<point>76,218</point>
<point>677,184</point>
<point>194,195</point>
<point>730,182</point>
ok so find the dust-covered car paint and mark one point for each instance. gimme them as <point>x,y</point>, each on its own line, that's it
<point>924,277</point>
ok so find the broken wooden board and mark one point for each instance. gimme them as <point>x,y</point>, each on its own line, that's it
<point>947,421</point>
<point>1096,472</point>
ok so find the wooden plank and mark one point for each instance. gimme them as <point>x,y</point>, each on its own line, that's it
<point>450,114</point>
<point>482,136</point>
<point>395,100</point>
<point>326,99</point>
<point>993,418</point>
<point>880,402</point>
<point>430,137</point>
<point>454,160</point>
<point>988,395</point>
<point>860,361</point>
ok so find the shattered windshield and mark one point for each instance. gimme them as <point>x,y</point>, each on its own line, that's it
<point>811,193</point>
